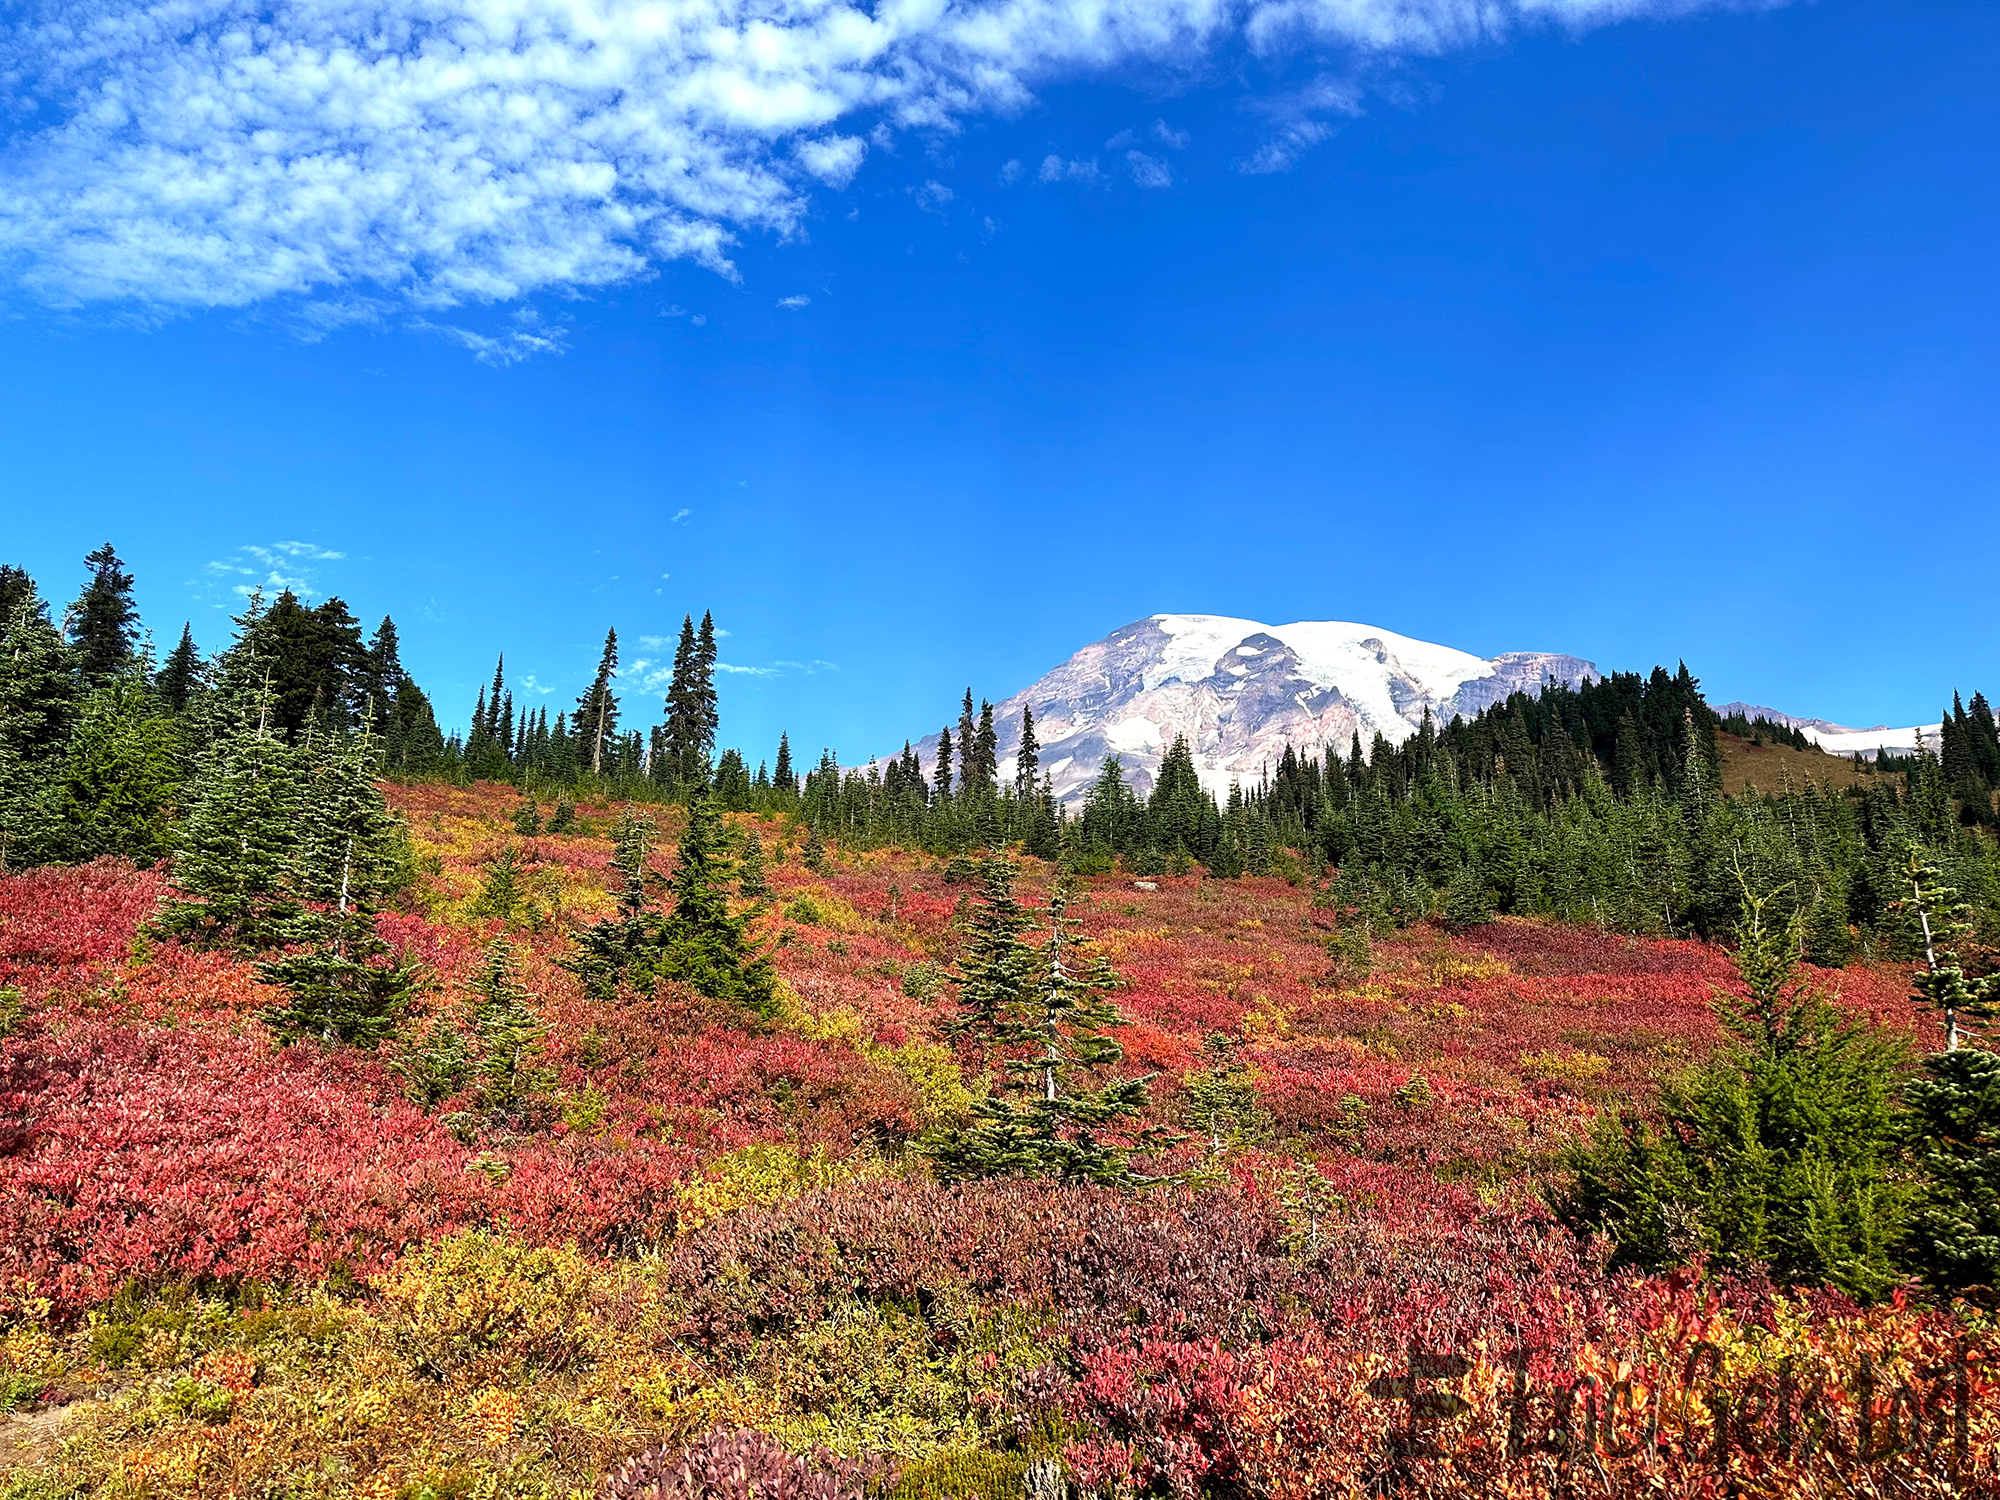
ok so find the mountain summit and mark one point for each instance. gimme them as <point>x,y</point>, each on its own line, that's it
<point>1241,691</point>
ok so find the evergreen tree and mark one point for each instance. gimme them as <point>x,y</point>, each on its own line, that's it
<point>813,856</point>
<point>1047,1115</point>
<point>699,942</point>
<point>121,777</point>
<point>1221,1099</point>
<point>968,745</point>
<point>16,588</point>
<point>783,777</point>
<point>941,770</point>
<point>38,702</point>
<point>751,883</point>
<point>238,844</point>
<point>1955,1235</point>
<point>103,623</point>
<point>632,840</point>
<point>1942,920</point>
<point>342,981</point>
<point>691,718</point>
<point>1027,759</point>
<point>509,1033</point>
<point>597,710</point>
<point>381,676</point>
<point>180,675</point>
<point>1784,1150</point>
<point>986,753</point>
<point>997,970</point>
<point>527,816</point>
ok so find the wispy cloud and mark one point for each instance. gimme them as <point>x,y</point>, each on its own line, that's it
<point>509,346</point>
<point>794,302</point>
<point>363,159</point>
<point>1055,169</point>
<point>1149,171</point>
<point>1297,123</point>
<point>679,516</point>
<point>271,568</point>
<point>735,670</point>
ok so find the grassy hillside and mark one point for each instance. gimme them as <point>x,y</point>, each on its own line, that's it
<point>1771,767</point>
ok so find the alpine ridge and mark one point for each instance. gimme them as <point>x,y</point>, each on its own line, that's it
<point>1241,691</point>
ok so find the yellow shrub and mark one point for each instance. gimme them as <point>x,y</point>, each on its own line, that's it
<point>764,1174</point>
<point>1570,1067</point>
<point>478,1300</point>
<point>823,909</point>
<point>934,1077</point>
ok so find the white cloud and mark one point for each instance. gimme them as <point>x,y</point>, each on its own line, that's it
<point>1010,172</point>
<point>1055,169</point>
<point>1149,171</point>
<point>730,666</point>
<point>509,347</point>
<point>933,196</point>
<point>1169,136</point>
<point>270,568</point>
<point>1296,126</point>
<point>833,160</point>
<point>793,303</point>
<point>357,158</point>
<point>678,516</point>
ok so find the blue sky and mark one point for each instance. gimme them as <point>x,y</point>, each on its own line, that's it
<point>925,354</point>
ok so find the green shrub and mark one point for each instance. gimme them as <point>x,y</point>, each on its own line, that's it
<point>969,1474</point>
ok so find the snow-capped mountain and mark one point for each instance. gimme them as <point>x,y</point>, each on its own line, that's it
<point>1241,691</point>
<point>1841,739</point>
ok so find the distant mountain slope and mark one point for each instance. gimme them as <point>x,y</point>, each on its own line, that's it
<point>1839,739</point>
<point>1241,691</point>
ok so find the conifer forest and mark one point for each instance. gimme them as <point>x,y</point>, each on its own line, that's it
<point>410,1101</point>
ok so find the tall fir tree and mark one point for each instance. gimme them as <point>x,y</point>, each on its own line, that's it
<point>968,745</point>
<point>1027,758</point>
<point>941,768</point>
<point>103,623</point>
<point>180,674</point>
<point>783,778</point>
<point>596,722</point>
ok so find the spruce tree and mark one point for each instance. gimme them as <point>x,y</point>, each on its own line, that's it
<point>1941,918</point>
<point>813,856</point>
<point>180,675</point>
<point>1027,759</point>
<point>103,623</point>
<point>783,777</point>
<point>239,841</point>
<point>941,770</point>
<point>38,703</point>
<point>968,745</point>
<point>698,941</point>
<point>1955,1235</point>
<point>342,981</point>
<point>596,721</point>
<point>1784,1150</point>
<point>987,748</point>
<point>509,1033</point>
<point>1049,1115</point>
<point>1220,1100</point>
<point>751,882</point>
<point>121,776</point>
